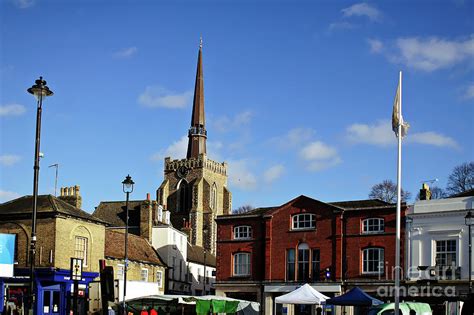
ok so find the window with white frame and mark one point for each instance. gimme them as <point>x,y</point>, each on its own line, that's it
<point>373,261</point>
<point>242,232</point>
<point>159,278</point>
<point>144,274</point>
<point>304,221</point>
<point>80,249</point>
<point>241,264</point>
<point>120,269</point>
<point>445,253</point>
<point>373,225</point>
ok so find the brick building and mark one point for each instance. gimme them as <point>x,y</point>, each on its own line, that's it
<point>63,231</point>
<point>268,252</point>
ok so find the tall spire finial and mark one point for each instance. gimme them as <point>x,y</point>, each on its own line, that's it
<point>200,42</point>
<point>197,133</point>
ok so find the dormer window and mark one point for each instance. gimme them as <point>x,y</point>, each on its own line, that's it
<point>373,225</point>
<point>304,221</point>
<point>242,232</point>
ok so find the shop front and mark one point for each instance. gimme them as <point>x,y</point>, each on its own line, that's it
<point>54,288</point>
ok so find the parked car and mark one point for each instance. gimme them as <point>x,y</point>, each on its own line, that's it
<point>404,309</point>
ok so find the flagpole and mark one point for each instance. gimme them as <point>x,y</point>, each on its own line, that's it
<point>399,197</point>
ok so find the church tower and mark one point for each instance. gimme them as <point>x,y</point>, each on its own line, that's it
<point>194,189</point>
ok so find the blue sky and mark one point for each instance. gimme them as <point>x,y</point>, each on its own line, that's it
<point>298,94</point>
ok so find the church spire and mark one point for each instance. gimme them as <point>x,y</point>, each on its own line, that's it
<point>197,133</point>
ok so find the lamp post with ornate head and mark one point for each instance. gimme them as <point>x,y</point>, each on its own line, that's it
<point>40,91</point>
<point>127,189</point>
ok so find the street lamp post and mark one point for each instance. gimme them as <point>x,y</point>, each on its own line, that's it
<point>469,220</point>
<point>127,189</point>
<point>39,90</point>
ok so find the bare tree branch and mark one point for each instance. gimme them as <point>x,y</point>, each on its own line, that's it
<point>243,209</point>
<point>461,179</point>
<point>387,191</point>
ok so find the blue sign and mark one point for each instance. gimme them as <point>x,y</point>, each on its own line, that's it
<point>7,254</point>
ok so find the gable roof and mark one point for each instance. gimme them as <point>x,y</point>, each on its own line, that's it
<point>139,249</point>
<point>47,206</point>
<point>114,212</point>
<point>196,255</point>
<point>302,202</point>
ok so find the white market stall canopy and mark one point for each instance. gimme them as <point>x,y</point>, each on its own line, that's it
<point>303,295</point>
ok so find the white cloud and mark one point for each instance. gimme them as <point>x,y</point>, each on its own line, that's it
<point>125,52</point>
<point>157,96</point>
<point>430,54</point>
<point>8,195</point>
<point>225,124</point>
<point>381,134</point>
<point>378,134</point>
<point>432,138</point>
<point>319,156</point>
<point>23,4</point>
<point>362,9</point>
<point>9,159</point>
<point>293,138</point>
<point>469,92</point>
<point>12,110</point>
<point>376,46</point>
<point>240,175</point>
<point>177,150</point>
<point>273,173</point>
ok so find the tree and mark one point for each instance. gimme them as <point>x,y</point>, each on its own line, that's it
<point>436,193</point>
<point>461,179</point>
<point>387,191</point>
<point>243,209</point>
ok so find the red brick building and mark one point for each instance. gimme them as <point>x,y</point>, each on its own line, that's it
<point>267,252</point>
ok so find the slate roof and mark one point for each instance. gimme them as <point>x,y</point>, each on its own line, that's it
<point>196,255</point>
<point>47,206</point>
<point>467,193</point>
<point>113,212</point>
<point>361,204</point>
<point>139,249</point>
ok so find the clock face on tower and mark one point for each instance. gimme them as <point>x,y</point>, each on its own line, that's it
<point>182,171</point>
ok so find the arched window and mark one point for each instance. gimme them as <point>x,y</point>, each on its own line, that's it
<point>241,264</point>
<point>242,232</point>
<point>184,197</point>
<point>213,203</point>
<point>304,221</point>
<point>373,225</point>
<point>373,260</point>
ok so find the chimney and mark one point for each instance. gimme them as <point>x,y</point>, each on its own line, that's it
<point>146,220</point>
<point>186,228</point>
<point>425,193</point>
<point>71,195</point>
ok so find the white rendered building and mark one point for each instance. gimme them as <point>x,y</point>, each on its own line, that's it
<point>437,251</point>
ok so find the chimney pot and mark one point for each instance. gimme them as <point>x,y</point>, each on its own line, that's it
<point>148,196</point>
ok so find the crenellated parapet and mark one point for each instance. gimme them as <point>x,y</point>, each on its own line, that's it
<point>200,162</point>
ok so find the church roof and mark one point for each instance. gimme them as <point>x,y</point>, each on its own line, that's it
<point>138,248</point>
<point>47,206</point>
<point>113,212</point>
<point>196,255</point>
